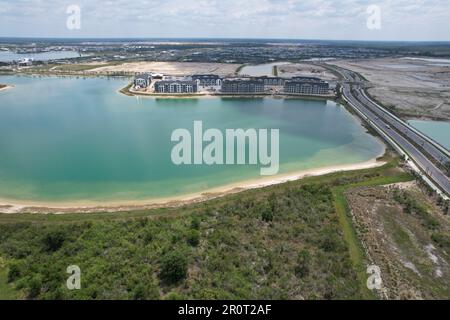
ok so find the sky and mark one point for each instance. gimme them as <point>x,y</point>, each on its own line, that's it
<point>405,20</point>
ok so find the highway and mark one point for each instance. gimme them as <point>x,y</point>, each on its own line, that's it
<point>423,151</point>
<point>436,151</point>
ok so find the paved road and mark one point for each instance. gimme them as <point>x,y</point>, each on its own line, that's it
<point>401,133</point>
<point>436,151</point>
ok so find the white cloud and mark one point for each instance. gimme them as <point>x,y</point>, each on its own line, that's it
<point>344,19</point>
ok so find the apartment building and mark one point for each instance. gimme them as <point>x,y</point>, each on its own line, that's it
<point>176,86</point>
<point>243,86</point>
<point>306,86</point>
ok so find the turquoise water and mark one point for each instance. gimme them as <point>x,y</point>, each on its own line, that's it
<point>437,130</point>
<point>67,139</point>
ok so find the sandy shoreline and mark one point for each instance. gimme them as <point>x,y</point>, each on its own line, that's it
<point>18,206</point>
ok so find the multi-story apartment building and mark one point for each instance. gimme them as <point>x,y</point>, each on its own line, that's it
<point>142,80</point>
<point>273,81</point>
<point>306,86</point>
<point>214,83</point>
<point>207,80</point>
<point>243,86</point>
<point>176,86</point>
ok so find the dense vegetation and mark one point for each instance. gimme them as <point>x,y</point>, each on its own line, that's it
<point>282,242</point>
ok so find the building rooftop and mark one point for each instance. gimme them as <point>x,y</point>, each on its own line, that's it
<point>308,79</point>
<point>215,76</point>
<point>177,81</point>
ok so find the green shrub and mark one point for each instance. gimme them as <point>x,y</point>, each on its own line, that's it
<point>175,296</point>
<point>330,241</point>
<point>267,215</point>
<point>442,240</point>
<point>174,267</point>
<point>195,223</point>
<point>54,240</point>
<point>34,286</point>
<point>193,238</point>
<point>143,292</point>
<point>14,271</point>
<point>148,236</point>
<point>303,263</point>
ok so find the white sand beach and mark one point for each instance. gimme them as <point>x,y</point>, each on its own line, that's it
<point>16,206</point>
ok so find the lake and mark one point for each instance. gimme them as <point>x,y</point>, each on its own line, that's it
<point>70,139</point>
<point>8,56</point>
<point>432,61</point>
<point>436,130</point>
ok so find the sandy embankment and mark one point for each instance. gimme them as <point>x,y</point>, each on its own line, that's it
<point>15,206</point>
<point>290,70</point>
<point>170,68</point>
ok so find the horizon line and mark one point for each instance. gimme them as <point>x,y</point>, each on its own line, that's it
<point>215,38</point>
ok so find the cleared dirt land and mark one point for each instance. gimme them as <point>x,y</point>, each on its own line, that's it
<point>413,88</point>
<point>171,68</point>
<point>305,70</point>
<point>407,236</point>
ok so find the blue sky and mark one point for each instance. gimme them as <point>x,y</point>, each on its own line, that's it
<point>296,19</point>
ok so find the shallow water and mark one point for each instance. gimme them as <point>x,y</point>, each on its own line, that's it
<point>437,130</point>
<point>68,139</point>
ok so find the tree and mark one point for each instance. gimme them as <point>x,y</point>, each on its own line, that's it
<point>174,267</point>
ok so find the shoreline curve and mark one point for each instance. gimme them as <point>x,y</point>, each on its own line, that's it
<point>10,206</point>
